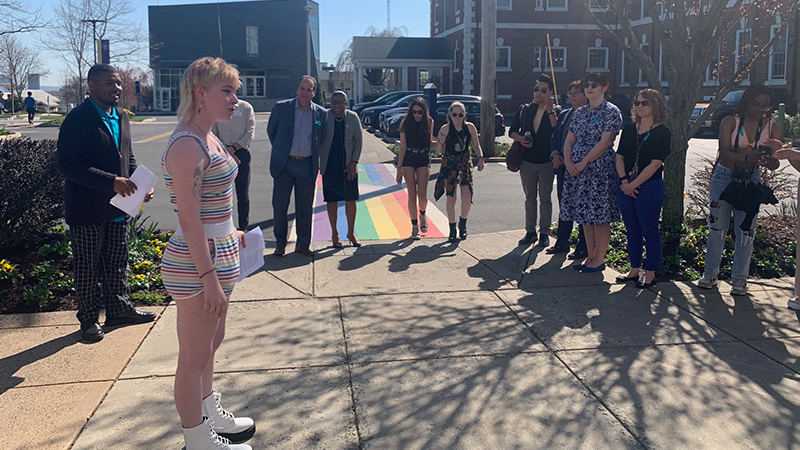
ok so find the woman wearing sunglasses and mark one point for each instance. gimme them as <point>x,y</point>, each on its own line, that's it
<point>453,143</point>
<point>746,141</point>
<point>589,196</point>
<point>643,147</point>
<point>414,161</point>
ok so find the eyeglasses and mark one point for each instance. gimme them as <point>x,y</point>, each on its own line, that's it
<point>417,112</point>
<point>642,103</point>
<point>593,85</point>
<point>537,89</point>
<point>457,114</point>
<point>338,102</point>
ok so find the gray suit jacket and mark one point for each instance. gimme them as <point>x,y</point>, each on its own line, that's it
<point>352,139</point>
<point>280,130</point>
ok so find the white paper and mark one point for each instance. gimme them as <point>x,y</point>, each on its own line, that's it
<point>251,257</point>
<point>144,181</point>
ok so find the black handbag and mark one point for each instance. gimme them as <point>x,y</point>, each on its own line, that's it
<point>514,155</point>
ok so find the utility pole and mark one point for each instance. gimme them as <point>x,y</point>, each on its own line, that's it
<point>307,9</point>
<point>388,15</point>
<point>488,73</point>
<point>94,23</point>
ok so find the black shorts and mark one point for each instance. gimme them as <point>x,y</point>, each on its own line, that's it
<point>417,158</point>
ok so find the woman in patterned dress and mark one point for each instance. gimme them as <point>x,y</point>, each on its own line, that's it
<point>453,143</point>
<point>589,196</point>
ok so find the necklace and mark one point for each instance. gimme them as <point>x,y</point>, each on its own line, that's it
<point>338,119</point>
<point>635,171</point>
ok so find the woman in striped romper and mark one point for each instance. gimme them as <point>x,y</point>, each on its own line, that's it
<point>201,263</point>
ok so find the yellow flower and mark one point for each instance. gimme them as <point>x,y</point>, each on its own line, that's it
<point>689,245</point>
<point>136,266</point>
<point>694,240</point>
<point>666,233</point>
<point>8,268</point>
<point>140,277</point>
<point>701,263</point>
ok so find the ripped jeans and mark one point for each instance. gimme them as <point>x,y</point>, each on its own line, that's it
<point>719,221</point>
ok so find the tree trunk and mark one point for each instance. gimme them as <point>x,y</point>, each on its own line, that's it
<point>675,174</point>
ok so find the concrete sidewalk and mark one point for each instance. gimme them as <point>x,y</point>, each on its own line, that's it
<point>430,345</point>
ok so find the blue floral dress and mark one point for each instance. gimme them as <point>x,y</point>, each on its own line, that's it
<point>590,198</point>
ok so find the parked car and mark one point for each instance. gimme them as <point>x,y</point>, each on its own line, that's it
<point>696,112</point>
<point>729,103</point>
<point>386,99</point>
<point>369,116</point>
<point>391,119</point>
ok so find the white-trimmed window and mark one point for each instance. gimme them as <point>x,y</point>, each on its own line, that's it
<point>712,71</point>
<point>444,18</point>
<point>504,5</point>
<point>557,5</point>
<point>537,58</point>
<point>597,59</point>
<point>643,10</point>
<point>539,5</point>
<point>744,45</point>
<point>777,57</point>
<point>436,13</point>
<point>456,59</point>
<point>559,55</point>
<point>598,5</point>
<point>624,78</point>
<point>251,40</point>
<point>458,6</point>
<point>642,74</point>
<point>503,58</point>
<point>254,85</point>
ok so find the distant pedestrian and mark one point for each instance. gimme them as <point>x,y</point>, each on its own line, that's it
<point>295,129</point>
<point>643,148</point>
<point>577,99</point>
<point>453,143</point>
<point>2,105</point>
<point>533,127</point>
<point>589,190</point>
<point>746,141</point>
<point>414,162</point>
<point>95,156</point>
<point>30,107</point>
<point>201,263</point>
<point>237,134</point>
<point>338,162</point>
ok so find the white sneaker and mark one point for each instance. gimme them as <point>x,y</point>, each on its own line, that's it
<point>794,304</point>
<point>707,282</point>
<point>203,437</point>
<point>237,429</point>
<point>415,232</point>
<point>423,223</point>
<point>739,286</point>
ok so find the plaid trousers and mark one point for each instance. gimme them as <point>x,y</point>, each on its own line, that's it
<point>100,258</point>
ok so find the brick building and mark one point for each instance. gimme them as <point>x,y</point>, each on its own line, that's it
<point>578,46</point>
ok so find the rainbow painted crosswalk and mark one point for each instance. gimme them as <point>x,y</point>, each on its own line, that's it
<point>382,209</point>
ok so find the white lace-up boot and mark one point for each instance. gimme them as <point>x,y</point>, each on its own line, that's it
<point>203,437</point>
<point>237,429</point>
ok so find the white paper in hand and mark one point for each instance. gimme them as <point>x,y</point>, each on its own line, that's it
<point>144,181</point>
<point>251,257</point>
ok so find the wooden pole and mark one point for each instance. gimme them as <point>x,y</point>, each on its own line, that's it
<point>552,69</point>
<point>488,74</point>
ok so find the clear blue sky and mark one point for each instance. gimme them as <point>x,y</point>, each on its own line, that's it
<point>339,21</point>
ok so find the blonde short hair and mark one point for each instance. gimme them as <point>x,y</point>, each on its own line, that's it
<point>204,72</point>
<point>453,106</point>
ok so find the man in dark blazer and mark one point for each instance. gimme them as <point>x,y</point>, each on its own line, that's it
<point>94,154</point>
<point>295,129</point>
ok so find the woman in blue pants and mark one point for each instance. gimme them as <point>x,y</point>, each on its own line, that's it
<point>643,147</point>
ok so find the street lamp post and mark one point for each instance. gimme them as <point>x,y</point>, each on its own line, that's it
<point>307,9</point>
<point>94,23</point>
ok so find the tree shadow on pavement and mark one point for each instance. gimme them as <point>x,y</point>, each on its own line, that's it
<point>13,363</point>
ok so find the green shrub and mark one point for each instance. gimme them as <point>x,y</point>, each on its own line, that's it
<point>5,131</point>
<point>32,190</point>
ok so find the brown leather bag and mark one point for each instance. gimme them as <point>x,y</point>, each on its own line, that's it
<point>514,155</point>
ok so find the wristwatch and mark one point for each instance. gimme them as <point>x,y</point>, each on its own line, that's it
<point>621,179</point>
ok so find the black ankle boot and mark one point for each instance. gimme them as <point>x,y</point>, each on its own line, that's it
<point>452,237</point>
<point>462,228</point>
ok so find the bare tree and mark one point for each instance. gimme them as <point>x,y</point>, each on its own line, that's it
<point>72,37</point>
<point>17,61</point>
<point>375,77</point>
<point>690,33</point>
<point>18,17</point>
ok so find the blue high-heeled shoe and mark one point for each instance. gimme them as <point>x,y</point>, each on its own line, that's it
<point>599,268</point>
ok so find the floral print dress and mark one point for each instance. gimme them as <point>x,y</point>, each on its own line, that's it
<point>590,198</point>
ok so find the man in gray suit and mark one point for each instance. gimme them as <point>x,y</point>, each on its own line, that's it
<point>295,129</point>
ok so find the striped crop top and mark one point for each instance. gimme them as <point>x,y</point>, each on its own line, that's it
<point>216,202</point>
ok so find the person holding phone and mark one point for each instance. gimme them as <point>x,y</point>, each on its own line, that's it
<point>743,142</point>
